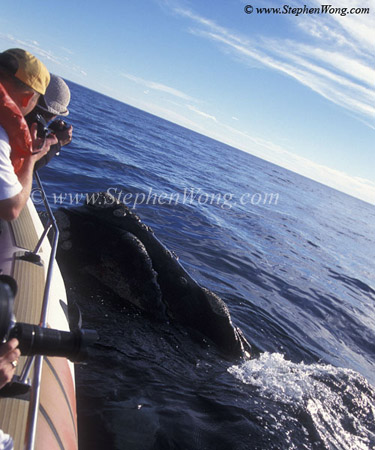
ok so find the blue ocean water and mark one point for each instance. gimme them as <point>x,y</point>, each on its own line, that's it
<point>294,261</point>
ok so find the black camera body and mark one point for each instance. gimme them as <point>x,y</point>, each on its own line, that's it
<point>35,340</point>
<point>45,129</point>
<point>58,125</point>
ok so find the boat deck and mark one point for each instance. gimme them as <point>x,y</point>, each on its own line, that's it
<point>57,422</point>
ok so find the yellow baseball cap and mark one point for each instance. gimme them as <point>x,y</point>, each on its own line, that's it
<point>27,68</point>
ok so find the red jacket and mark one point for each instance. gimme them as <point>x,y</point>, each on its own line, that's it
<point>13,122</point>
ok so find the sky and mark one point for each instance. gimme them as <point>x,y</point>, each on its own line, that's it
<point>296,89</point>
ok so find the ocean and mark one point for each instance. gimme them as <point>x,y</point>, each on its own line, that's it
<point>294,260</point>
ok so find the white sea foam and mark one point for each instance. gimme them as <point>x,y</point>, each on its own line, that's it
<point>339,403</point>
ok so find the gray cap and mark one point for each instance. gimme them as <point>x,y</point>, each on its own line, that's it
<point>57,97</point>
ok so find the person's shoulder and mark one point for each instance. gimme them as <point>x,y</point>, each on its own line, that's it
<point>3,135</point>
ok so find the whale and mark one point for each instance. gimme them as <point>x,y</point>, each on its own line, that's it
<point>109,241</point>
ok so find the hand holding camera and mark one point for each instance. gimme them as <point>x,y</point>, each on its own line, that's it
<point>58,128</point>
<point>9,354</point>
<point>35,340</point>
<point>63,131</point>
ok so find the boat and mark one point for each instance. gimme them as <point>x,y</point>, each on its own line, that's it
<point>39,411</point>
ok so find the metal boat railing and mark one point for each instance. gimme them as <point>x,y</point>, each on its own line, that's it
<point>38,359</point>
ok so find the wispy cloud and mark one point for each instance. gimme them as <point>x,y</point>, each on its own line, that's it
<point>49,57</point>
<point>201,113</point>
<point>68,50</point>
<point>336,61</point>
<point>33,47</point>
<point>158,87</point>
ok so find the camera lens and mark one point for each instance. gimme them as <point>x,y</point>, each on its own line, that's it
<point>35,340</point>
<point>6,307</point>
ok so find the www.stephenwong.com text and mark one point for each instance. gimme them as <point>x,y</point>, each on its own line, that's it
<point>188,196</point>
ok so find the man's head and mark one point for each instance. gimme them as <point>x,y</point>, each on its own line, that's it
<point>24,77</point>
<point>56,100</point>
<point>53,103</point>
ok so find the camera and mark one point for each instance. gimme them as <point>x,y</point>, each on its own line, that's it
<point>35,340</point>
<point>58,125</point>
<point>45,129</point>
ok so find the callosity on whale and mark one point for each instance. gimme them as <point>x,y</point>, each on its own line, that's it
<point>109,241</point>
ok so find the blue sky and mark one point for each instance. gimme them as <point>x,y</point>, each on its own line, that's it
<point>298,91</point>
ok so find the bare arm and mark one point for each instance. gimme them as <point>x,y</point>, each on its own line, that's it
<point>10,208</point>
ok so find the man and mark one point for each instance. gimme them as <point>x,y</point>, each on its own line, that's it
<point>53,103</point>
<point>24,78</point>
